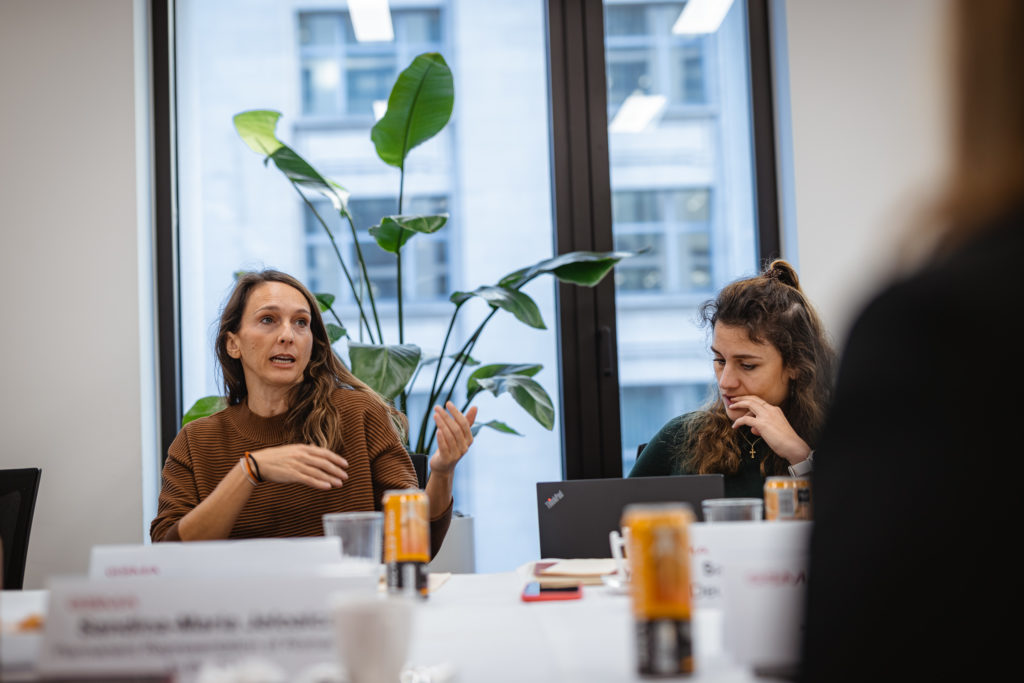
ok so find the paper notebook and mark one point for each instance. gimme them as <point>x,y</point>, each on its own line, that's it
<point>572,571</point>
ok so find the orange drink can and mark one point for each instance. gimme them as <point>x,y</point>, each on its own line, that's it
<point>660,586</point>
<point>787,498</point>
<point>406,540</point>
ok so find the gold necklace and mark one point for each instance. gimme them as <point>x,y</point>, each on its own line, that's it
<point>753,451</point>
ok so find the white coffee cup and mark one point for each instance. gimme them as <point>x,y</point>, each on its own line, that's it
<point>372,635</point>
<point>619,543</point>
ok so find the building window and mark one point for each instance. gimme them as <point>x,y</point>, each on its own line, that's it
<point>425,258</point>
<point>644,57</point>
<point>341,76</point>
<point>674,226</point>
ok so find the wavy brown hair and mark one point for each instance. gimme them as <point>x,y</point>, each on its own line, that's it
<point>310,417</point>
<point>773,309</point>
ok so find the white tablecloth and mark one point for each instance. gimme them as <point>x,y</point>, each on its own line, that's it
<point>477,625</point>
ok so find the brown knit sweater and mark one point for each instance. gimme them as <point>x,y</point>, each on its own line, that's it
<point>206,449</point>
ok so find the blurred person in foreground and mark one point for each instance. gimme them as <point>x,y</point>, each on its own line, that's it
<point>916,503</point>
<point>773,372</point>
<point>301,436</point>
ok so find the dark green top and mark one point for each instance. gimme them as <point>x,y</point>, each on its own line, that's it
<point>660,458</point>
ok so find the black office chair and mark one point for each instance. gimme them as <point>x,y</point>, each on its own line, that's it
<point>18,489</point>
<point>419,463</point>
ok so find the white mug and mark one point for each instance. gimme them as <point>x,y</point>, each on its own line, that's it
<point>372,636</point>
<point>619,543</point>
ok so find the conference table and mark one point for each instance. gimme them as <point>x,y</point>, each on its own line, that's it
<point>474,628</point>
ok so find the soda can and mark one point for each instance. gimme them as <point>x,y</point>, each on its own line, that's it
<point>660,586</point>
<point>406,541</point>
<point>787,498</point>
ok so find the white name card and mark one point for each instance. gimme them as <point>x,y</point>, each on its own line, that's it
<point>755,575</point>
<point>256,557</point>
<point>174,625</point>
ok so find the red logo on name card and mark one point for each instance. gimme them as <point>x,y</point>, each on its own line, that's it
<point>104,602</point>
<point>132,570</point>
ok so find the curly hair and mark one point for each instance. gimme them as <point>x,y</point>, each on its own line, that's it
<point>310,417</point>
<point>772,308</point>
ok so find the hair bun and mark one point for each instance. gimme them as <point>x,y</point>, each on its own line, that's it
<point>782,271</point>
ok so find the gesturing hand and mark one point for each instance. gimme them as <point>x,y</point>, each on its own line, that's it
<point>297,463</point>
<point>770,423</point>
<point>454,435</point>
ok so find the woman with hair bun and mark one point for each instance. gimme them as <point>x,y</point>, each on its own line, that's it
<point>773,368</point>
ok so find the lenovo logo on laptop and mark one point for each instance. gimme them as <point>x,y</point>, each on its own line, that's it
<point>553,499</point>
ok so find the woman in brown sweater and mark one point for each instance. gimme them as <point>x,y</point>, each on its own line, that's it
<point>301,436</point>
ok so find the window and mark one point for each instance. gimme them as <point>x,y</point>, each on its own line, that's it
<point>341,76</point>
<point>682,187</point>
<point>488,169</point>
<point>425,263</point>
<point>644,56</point>
<point>679,183</point>
<point>675,227</point>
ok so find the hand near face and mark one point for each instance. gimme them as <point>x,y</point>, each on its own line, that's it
<point>454,436</point>
<point>769,422</point>
<point>296,463</point>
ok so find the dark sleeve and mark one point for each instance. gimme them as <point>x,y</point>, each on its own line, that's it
<point>659,456</point>
<point>439,529</point>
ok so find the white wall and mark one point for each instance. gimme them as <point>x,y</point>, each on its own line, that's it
<point>74,399</point>
<point>867,95</point>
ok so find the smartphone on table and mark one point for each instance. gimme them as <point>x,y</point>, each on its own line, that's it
<point>535,592</point>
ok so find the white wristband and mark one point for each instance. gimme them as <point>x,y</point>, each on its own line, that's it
<point>803,467</point>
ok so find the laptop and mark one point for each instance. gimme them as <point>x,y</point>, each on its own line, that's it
<point>575,516</point>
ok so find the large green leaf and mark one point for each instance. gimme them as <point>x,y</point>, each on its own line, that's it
<point>335,332</point>
<point>585,268</point>
<point>420,105</point>
<point>515,302</point>
<point>204,407</point>
<point>324,301</point>
<point>496,370</point>
<point>257,130</point>
<point>527,393</point>
<point>496,425</point>
<point>394,231</point>
<point>386,368</point>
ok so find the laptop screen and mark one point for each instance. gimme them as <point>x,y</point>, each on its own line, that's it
<point>575,516</point>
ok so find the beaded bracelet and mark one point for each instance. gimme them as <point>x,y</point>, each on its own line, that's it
<point>256,465</point>
<point>248,472</point>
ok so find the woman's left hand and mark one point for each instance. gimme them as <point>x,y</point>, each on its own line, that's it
<point>454,435</point>
<point>770,423</point>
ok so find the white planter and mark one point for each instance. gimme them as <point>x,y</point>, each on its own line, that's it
<point>458,553</point>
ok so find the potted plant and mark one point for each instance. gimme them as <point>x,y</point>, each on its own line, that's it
<point>419,107</point>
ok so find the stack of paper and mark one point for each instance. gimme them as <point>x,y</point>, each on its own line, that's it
<point>572,572</point>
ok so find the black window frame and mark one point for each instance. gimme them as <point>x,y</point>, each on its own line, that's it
<point>581,200</point>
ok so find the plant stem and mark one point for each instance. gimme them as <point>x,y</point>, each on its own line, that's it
<point>366,278</point>
<point>437,371</point>
<point>398,255</point>
<point>461,363</point>
<point>332,312</point>
<point>403,397</point>
<point>341,261</point>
